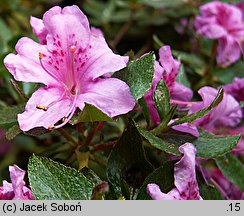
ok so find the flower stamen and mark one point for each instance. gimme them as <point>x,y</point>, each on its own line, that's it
<point>68,116</point>
<point>42,107</point>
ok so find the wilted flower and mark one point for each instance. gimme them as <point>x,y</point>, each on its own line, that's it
<point>166,68</point>
<point>15,190</point>
<point>224,22</point>
<point>70,61</point>
<point>185,178</point>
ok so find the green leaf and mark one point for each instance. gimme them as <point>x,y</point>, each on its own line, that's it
<point>13,132</point>
<point>90,114</point>
<point>162,99</point>
<point>138,75</point>
<point>226,75</point>
<point>162,176</point>
<point>50,180</point>
<point>232,169</point>
<point>8,115</point>
<point>208,192</point>
<point>127,162</point>
<point>207,145</point>
<point>162,3</point>
<point>199,114</point>
<point>145,110</point>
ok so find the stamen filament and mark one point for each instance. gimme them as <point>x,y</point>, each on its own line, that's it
<point>185,103</point>
<point>49,73</point>
<point>68,116</point>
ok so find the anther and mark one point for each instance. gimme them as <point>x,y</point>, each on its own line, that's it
<point>41,107</point>
<point>64,119</point>
<point>40,55</point>
<point>51,127</point>
<point>73,49</point>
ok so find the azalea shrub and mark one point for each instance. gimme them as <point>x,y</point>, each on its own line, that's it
<point>122,100</point>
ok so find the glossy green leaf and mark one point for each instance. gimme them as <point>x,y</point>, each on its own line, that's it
<point>207,145</point>
<point>232,169</point>
<point>50,180</point>
<point>13,132</point>
<point>199,114</point>
<point>127,163</point>
<point>162,99</point>
<point>138,75</point>
<point>90,114</point>
<point>8,115</point>
<point>162,176</point>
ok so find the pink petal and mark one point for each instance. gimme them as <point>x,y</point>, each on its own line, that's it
<point>228,51</point>
<point>112,96</point>
<point>100,58</point>
<point>39,29</point>
<point>236,88</point>
<point>186,127</point>
<point>181,92</point>
<point>46,96</point>
<point>227,113</point>
<point>155,193</point>
<point>66,27</point>
<point>184,173</point>
<point>16,190</point>
<point>25,66</point>
<point>170,65</point>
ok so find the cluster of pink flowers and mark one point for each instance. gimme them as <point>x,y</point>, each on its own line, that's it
<point>225,23</point>
<point>73,60</point>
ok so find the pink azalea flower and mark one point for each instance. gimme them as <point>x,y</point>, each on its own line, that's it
<point>226,114</point>
<point>186,128</point>
<point>166,68</point>
<point>16,190</point>
<point>70,61</point>
<point>223,22</point>
<point>236,89</point>
<point>185,178</point>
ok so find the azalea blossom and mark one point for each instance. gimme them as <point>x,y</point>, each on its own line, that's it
<point>70,61</point>
<point>17,189</point>
<point>185,178</point>
<point>223,22</point>
<point>166,68</point>
<point>236,89</point>
<point>227,114</point>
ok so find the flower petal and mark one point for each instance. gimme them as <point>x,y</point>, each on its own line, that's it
<point>228,51</point>
<point>66,27</point>
<point>155,193</point>
<point>59,106</point>
<point>170,65</point>
<point>100,58</point>
<point>185,175</point>
<point>39,29</point>
<point>181,92</point>
<point>25,66</point>
<point>112,96</point>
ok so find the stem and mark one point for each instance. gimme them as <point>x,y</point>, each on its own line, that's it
<point>92,132</point>
<point>103,146</point>
<point>68,137</point>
